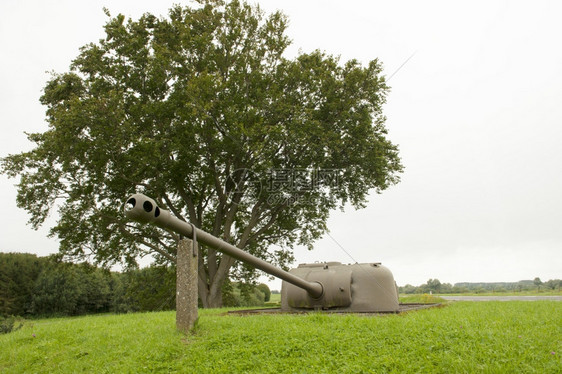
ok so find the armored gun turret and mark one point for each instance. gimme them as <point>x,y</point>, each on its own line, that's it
<point>331,286</point>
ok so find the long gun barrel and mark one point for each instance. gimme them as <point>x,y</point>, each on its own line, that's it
<point>143,209</point>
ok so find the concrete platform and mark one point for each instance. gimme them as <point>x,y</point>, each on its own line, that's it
<point>403,308</point>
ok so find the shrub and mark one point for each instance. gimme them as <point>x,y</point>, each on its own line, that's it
<point>237,294</point>
<point>8,325</point>
<point>265,290</point>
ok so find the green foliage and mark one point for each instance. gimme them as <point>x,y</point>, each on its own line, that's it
<point>51,287</point>
<point>96,290</point>
<point>537,281</point>
<point>56,292</point>
<point>237,294</point>
<point>67,289</point>
<point>199,110</point>
<point>18,273</point>
<point>149,289</point>
<point>435,286</point>
<point>8,324</point>
<point>491,337</point>
<point>553,284</point>
<point>266,291</point>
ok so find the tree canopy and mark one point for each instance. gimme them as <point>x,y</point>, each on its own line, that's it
<point>202,111</point>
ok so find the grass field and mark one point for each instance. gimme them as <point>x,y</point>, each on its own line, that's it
<point>508,293</point>
<point>491,337</point>
<point>275,298</point>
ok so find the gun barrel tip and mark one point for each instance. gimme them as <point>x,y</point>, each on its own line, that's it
<point>130,203</point>
<point>141,208</point>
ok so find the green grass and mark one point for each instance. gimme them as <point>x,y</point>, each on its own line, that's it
<point>421,299</point>
<point>275,298</point>
<point>491,337</point>
<point>508,293</point>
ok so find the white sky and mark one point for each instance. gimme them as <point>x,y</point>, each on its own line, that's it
<point>477,114</point>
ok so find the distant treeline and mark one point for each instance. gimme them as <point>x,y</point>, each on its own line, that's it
<point>45,286</point>
<point>435,286</point>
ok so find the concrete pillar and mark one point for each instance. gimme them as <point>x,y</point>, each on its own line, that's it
<point>186,286</point>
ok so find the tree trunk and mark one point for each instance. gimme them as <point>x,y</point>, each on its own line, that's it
<point>215,300</point>
<point>210,289</point>
<point>211,297</point>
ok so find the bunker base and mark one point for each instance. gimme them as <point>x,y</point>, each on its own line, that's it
<point>403,308</point>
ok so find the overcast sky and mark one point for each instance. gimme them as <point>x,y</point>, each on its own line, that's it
<point>477,113</point>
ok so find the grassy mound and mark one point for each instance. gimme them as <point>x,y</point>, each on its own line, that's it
<point>462,337</point>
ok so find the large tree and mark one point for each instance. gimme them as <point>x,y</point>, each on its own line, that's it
<point>202,111</point>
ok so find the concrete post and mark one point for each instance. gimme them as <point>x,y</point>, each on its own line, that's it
<point>186,286</point>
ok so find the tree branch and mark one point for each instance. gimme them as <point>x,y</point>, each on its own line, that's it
<point>190,207</point>
<point>150,245</point>
<point>176,212</point>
